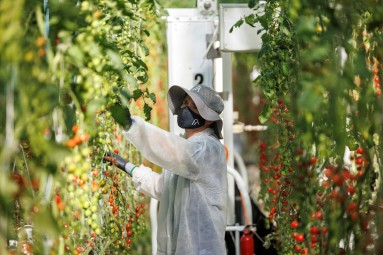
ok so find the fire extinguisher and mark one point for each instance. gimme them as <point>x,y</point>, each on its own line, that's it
<point>247,242</point>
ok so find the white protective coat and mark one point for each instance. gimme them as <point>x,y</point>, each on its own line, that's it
<point>192,188</point>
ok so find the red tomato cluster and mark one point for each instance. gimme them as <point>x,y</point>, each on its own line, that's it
<point>77,138</point>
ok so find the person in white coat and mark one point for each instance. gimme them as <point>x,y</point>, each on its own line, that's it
<point>192,188</point>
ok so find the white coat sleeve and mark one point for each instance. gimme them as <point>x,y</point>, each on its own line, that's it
<point>148,182</point>
<point>165,149</point>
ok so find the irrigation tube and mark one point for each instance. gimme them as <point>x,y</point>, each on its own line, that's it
<point>242,169</point>
<point>244,193</point>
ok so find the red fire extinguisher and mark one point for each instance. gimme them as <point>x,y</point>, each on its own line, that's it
<point>247,242</point>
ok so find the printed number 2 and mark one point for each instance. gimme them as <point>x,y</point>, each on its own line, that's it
<point>199,78</point>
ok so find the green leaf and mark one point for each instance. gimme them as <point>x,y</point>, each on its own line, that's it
<point>137,93</point>
<point>146,32</point>
<point>40,19</point>
<point>265,114</point>
<point>309,101</point>
<point>285,68</point>
<point>115,59</point>
<point>69,115</point>
<point>250,20</point>
<point>147,110</point>
<point>44,220</point>
<point>124,95</point>
<point>237,24</point>
<point>263,21</point>
<point>143,78</point>
<point>76,55</point>
<point>139,63</point>
<point>152,96</point>
<point>252,3</point>
<point>129,79</point>
<point>351,143</point>
<point>306,25</point>
<point>285,30</point>
<point>145,49</point>
<point>119,113</point>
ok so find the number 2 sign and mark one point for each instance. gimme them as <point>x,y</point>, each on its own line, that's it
<point>198,79</point>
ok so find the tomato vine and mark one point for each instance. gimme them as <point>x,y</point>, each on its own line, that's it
<point>321,164</point>
<point>64,64</point>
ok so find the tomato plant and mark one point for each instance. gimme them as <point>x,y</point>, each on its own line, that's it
<point>321,160</point>
<point>64,65</point>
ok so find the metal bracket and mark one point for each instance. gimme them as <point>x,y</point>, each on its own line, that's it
<point>207,7</point>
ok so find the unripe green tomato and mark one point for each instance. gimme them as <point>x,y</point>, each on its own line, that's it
<point>92,92</point>
<point>84,176</point>
<point>85,165</point>
<point>86,205</point>
<point>78,171</point>
<point>89,222</point>
<point>85,152</point>
<point>93,208</point>
<point>96,61</point>
<point>85,5</point>
<point>94,199</point>
<point>88,212</point>
<point>77,158</point>
<point>79,193</point>
<point>70,187</point>
<point>71,167</point>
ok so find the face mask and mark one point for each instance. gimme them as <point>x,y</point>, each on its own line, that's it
<point>188,119</point>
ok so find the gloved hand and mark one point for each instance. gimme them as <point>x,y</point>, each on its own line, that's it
<point>119,162</point>
<point>121,115</point>
<point>129,120</point>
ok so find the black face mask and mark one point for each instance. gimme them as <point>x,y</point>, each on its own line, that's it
<point>188,119</point>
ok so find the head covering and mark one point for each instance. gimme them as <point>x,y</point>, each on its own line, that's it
<point>208,102</point>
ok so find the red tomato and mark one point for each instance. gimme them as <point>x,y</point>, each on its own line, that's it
<point>351,190</point>
<point>294,224</point>
<point>313,160</point>
<point>314,230</point>
<point>300,238</point>
<point>319,215</point>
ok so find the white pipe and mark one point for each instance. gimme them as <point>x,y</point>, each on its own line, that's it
<point>228,139</point>
<point>242,169</point>
<point>235,228</point>
<point>153,221</point>
<point>242,189</point>
<point>237,243</point>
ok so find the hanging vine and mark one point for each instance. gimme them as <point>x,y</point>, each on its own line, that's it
<point>321,165</point>
<point>64,65</point>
